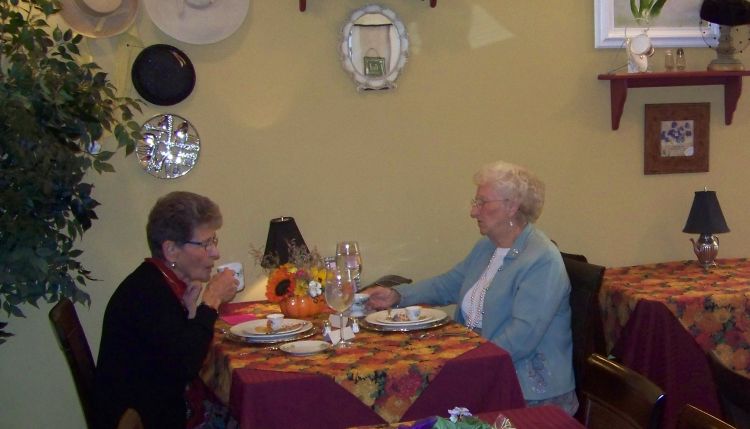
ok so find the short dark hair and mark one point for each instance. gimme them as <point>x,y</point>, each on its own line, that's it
<point>176,216</point>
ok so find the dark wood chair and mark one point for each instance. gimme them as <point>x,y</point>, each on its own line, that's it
<point>388,280</point>
<point>616,397</point>
<point>74,345</point>
<point>586,320</point>
<point>575,256</point>
<point>734,392</point>
<point>694,418</point>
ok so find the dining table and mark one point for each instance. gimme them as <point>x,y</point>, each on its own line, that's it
<point>381,378</point>
<point>661,320</point>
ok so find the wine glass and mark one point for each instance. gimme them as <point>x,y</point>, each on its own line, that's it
<point>349,258</point>
<point>339,293</point>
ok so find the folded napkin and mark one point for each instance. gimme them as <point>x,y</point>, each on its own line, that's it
<point>234,319</point>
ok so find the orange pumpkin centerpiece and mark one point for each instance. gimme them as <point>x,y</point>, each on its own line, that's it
<point>298,291</point>
<point>302,306</point>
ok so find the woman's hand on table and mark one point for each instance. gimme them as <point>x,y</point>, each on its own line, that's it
<point>220,289</point>
<point>382,297</point>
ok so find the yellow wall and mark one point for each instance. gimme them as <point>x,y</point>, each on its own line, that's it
<point>285,133</point>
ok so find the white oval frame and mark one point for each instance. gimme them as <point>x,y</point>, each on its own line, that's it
<point>363,81</point>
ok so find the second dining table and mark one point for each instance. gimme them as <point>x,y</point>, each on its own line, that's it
<point>383,377</point>
<point>661,320</point>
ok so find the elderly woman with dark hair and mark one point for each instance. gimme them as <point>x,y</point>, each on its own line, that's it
<point>512,288</point>
<point>150,347</point>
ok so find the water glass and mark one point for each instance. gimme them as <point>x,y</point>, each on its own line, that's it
<point>349,258</point>
<point>339,294</point>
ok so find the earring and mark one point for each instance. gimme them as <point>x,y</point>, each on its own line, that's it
<point>173,265</point>
<point>510,222</point>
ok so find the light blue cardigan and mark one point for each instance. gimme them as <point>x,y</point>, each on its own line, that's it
<point>526,308</point>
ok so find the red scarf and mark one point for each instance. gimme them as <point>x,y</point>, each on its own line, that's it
<point>178,286</point>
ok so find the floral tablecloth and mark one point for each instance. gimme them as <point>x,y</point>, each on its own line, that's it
<point>713,305</point>
<point>386,372</point>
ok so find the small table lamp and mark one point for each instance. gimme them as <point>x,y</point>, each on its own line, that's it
<point>726,14</point>
<point>283,235</point>
<point>706,219</point>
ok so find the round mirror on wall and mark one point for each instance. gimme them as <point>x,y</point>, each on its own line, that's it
<point>374,47</point>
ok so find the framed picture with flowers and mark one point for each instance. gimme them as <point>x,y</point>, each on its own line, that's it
<point>676,138</point>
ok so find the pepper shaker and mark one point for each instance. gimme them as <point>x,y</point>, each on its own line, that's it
<point>669,60</point>
<point>680,60</point>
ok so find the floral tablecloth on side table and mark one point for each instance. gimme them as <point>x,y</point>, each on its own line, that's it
<point>713,305</point>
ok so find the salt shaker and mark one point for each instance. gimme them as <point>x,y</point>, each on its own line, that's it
<point>680,60</point>
<point>669,60</point>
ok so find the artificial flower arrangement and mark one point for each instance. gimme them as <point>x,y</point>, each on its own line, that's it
<point>290,280</point>
<point>297,285</point>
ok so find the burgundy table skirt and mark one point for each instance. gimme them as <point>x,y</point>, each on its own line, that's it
<point>481,380</point>
<point>655,344</point>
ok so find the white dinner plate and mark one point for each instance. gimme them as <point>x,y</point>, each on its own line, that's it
<point>304,348</point>
<point>429,315</point>
<point>258,329</point>
<point>400,318</point>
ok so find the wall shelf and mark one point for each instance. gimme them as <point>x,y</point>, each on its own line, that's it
<point>620,82</point>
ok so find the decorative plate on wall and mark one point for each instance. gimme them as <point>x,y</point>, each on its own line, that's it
<point>163,75</point>
<point>374,47</point>
<point>169,148</point>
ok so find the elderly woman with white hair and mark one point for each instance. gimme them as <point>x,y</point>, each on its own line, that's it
<point>512,288</point>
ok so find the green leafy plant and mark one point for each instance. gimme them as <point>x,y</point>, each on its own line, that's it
<point>55,111</point>
<point>644,10</point>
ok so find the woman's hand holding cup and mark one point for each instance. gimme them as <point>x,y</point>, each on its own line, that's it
<point>221,288</point>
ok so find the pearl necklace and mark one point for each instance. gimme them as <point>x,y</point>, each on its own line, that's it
<point>477,307</point>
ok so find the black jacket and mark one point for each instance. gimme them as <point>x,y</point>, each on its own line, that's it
<point>149,352</point>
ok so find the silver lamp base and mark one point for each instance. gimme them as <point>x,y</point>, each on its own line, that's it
<point>706,249</point>
<point>725,60</point>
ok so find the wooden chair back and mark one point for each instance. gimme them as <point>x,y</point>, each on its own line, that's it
<point>734,392</point>
<point>694,418</point>
<point>586,320</point>
<point>72,340</point>
<point>616,397</point>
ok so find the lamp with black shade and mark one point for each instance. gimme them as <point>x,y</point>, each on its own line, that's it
<point>283,235</point>
<point>729,15</point>
<point>706,219</point>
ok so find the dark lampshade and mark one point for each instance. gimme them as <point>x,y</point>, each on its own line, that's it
<point>705,215</point>
<point>282,233</point>
<point>726,12</point>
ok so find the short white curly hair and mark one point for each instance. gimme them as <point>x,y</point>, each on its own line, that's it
<point>515,183</point>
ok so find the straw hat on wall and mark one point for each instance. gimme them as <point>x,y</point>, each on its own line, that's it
<point>99,18</point>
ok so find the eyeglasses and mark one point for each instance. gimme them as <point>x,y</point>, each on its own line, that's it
<point>213,241</point>
<point>479,203</point>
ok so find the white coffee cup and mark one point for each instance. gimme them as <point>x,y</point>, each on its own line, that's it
<point>413,312</point>
<point>275,321</point>
<point>358,307</point>
<point>239,273</point>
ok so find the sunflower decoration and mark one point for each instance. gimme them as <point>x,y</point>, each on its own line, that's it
<point>303,275</point>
